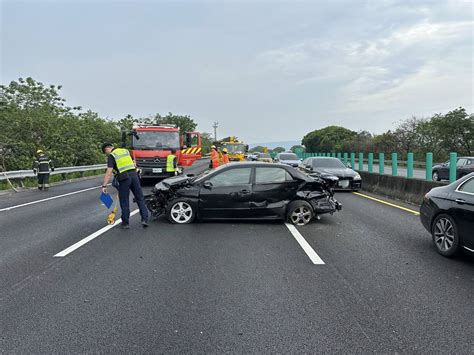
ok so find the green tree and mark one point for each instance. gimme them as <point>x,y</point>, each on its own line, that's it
<point>206,142</point>
<point>258,149</point>
<point>331,138</point>
<point>455,131</point>
<point>278,150</point>
<point>184,123</point>
<point>34,116</point>
<point>297,147</point>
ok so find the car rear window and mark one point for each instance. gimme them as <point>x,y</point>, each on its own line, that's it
<point>468,186</point>
<point>288,157</point>
<point>237,176</point>
<point>327,163</point>
<point>271,176</point>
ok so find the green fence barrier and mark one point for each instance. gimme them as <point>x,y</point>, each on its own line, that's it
<point>452,166</point>
<point>394,164</point>
<point>409,163</point>
<point>410,166</point>
<point>429,166</point>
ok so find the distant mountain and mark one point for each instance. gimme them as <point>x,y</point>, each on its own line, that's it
<point>271,145</point>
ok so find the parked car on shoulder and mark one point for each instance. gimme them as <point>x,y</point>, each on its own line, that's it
<point>264,157</point>
<point>349,179</point>
<point>464,166</point>
<point>249,190</point>
<point>447,212</point>
<point>288,158</point>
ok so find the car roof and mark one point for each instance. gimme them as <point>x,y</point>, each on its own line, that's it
<point>324,158</point>
<point>252,164</point>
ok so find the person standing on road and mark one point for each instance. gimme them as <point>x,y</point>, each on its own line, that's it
<point>41,167</point>
<point>225,156</point>
<point>120,163</point>
<point>214,157</point>
<point>172,163</point>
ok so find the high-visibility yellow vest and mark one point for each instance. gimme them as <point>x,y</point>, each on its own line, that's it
<point>123,160</point>
<point>170,164</point>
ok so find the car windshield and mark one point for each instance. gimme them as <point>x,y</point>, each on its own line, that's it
<point>328,163</point>
<point>288,157</point>
<point>156,140</point>
<point>235,148</point>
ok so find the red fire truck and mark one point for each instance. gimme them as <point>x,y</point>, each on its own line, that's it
<point>151,144</point>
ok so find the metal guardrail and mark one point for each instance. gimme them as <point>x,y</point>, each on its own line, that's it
<point>22,174</point>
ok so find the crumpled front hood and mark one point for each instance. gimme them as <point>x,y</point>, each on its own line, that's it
<point>173,182</point>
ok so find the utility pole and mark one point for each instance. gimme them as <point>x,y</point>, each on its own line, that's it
<point>215,125</point>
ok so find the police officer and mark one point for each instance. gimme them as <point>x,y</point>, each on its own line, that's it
<point>42,166</point>
<point>120,163</point>
<point>171,163</point>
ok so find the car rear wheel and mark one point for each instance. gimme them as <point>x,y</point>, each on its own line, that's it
<point>445,235</point>
<point>435,176</point>
<point>181,212</point>
<point>299,213</point>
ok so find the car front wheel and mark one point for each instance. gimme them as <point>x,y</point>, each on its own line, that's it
<point>445,235</point>
<point>299,213</point>
<point>181,211</point>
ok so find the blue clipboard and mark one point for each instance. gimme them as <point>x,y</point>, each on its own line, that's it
<point>106,199</point>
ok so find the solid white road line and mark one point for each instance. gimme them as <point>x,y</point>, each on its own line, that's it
<point>304,244</point>
<point>47,199</point>
<point>91,237</point>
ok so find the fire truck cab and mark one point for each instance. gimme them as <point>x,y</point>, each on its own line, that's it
<point>150,145</point>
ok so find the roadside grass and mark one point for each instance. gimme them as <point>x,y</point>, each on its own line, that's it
<point>33,182</point>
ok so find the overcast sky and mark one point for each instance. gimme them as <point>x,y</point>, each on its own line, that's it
<point>266,70</point>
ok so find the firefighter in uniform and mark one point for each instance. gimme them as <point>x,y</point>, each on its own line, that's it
<point>171,163</point>
<point>214,158</point>
<point>120,163</point>
<point>41,167</point>
<point>225,156</point>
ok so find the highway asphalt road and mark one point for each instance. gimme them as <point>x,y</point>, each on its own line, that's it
<point>226,287</point>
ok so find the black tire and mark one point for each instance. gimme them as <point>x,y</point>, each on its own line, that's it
<point>444,232</point>
<point>299,213</point>
<point>181,211</point>
<point>435,176</point>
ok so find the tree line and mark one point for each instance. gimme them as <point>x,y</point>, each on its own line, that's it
<point>34,116</point>
<point>439,134</point>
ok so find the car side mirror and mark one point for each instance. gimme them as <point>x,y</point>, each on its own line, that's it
<point>207,185</point>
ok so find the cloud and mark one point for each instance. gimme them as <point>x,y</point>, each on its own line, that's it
<point>369,65</point>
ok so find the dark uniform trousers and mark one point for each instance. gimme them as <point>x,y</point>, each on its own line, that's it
<point>131,183</point>
<point>42,166</point>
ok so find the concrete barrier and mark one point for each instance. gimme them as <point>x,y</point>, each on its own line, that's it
<point>397,187</point>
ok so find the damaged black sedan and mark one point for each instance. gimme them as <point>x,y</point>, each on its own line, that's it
<point>247,191</point>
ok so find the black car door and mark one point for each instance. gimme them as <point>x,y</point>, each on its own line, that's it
<point>226,194</point>
<point>272,189</point>
<point>459,166</point>
<point>463,211</point>
<point>444,171</point>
